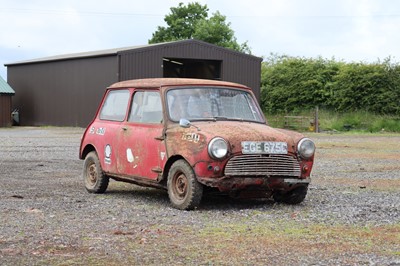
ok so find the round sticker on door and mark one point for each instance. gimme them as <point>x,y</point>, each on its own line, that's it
<point>107,154</point>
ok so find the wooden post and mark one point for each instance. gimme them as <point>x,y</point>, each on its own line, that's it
<point>316,119</point>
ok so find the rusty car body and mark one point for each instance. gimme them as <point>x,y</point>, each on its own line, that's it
<point>189,136</point>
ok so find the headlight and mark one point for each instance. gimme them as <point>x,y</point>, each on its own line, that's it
<point>218,148</point>
<point>306,148</point>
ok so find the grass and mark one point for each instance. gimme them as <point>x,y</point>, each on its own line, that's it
<point>293,234</point>
<point>331,121</point>
<point>264,242</point>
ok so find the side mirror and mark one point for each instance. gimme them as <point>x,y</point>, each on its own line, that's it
<point>184,123</point>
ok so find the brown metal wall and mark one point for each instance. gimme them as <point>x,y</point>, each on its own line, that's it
<point>147,62</point>
<point>61,93</point>
<point>5,110</point>
<point>67,92</point>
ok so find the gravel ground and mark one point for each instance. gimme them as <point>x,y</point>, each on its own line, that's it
<point>351,215</point>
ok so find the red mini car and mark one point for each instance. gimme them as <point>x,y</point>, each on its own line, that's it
<point>190,135</point>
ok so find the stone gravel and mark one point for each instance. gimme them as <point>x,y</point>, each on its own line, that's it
<point>47,217</point>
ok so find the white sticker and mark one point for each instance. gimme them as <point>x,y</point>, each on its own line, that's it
<point>129,155</point>
<point>107,154</point>
<point>162,155</point>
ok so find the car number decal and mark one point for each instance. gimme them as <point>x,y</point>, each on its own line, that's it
<point>192,137</point>
<point>101,131</point>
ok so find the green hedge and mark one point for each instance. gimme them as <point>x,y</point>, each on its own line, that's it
<point>293,84</point>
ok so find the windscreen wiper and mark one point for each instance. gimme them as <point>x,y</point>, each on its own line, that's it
<point>217,118</point>
<point>224,118</point>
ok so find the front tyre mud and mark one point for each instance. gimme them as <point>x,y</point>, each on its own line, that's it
<point>95,179</point>
<point>184,191</point>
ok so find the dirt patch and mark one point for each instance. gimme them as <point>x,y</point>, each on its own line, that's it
<point>350,216</point>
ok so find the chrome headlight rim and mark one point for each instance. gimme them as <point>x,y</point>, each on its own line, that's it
<point>215,152</point>
<point>302,146</point>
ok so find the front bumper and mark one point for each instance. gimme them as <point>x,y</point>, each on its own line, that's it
<point>225,184</point>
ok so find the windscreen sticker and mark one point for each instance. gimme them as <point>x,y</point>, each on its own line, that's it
<point>107,154</point>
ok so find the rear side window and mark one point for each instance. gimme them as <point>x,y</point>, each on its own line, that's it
<point>115,105</point>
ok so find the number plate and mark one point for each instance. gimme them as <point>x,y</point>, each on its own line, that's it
<point>264,147</point>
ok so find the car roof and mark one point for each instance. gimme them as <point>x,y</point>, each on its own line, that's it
<point>168,82</point>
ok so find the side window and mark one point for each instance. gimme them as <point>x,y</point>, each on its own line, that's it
<point>146,108</point>
<point>115,105</point>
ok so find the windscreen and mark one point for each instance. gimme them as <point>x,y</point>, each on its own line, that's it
<point>211,103</point>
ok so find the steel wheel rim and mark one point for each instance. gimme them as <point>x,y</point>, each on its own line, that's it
<point>92,173</point>
<point>180,185</point>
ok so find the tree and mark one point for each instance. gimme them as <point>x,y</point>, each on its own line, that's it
<point>192,22</point>
<point>181,23</point>
<point>216,31</point>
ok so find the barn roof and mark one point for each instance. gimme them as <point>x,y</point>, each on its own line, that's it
<point>5,88</point>
<point>116,51</point>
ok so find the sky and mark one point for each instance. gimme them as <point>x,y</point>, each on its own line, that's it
<point>347,30</point>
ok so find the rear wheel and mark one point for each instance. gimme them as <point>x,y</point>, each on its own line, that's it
<point>294,196</point>
<point>184,191</point>
<point>95,179</point>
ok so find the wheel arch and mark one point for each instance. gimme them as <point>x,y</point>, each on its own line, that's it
<point>168,165</point>
<point>88,148</point>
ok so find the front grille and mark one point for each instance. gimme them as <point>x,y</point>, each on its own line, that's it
<point>262,165</point>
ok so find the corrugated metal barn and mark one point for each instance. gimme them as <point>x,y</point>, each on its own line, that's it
<point>66,90</point>
<point>6,93</point>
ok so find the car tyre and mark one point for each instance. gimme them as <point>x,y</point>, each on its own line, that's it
<point>184,191</point>
<point>293,197</point>
<point>95,179</point>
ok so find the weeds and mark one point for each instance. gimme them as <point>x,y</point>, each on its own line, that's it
<point>360,121</point>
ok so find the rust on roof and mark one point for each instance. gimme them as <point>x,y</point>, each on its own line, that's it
<point>164,82</point>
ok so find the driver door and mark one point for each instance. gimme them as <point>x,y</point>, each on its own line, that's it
<point>141,146</point>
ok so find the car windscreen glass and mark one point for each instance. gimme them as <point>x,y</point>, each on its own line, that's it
<point>115,105</point>
<point>212,103</point>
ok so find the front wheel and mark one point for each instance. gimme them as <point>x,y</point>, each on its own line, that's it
<point>95,179</point>
<point>294,196</point>
<point>184,191</point>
